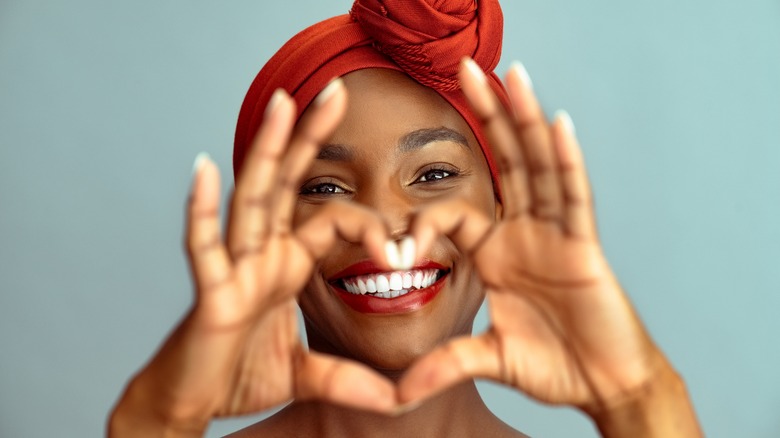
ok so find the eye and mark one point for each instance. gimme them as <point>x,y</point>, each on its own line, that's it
<point>322,187</point>
<point>435,174</point>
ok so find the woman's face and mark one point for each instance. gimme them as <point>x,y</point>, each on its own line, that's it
<point>400,147</point>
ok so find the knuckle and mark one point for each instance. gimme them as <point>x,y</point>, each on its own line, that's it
<point>262,201</point>
<point>510,162</point>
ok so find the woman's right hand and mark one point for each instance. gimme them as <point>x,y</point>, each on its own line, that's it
<point>237,350</point>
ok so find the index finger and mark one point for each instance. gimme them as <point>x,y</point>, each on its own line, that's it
<point>249,221</point>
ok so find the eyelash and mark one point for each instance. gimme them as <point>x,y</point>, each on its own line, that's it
<point>449,172</point>
<point>314,189</point>
<point>335,189</point>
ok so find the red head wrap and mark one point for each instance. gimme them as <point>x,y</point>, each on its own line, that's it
<point>426,39</point>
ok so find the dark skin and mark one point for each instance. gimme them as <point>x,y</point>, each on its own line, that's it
<point>379,173</point>
<point>562,330</point>
<point>365,162</point>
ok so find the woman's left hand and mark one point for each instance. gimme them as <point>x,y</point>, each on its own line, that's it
<point>562,330</point>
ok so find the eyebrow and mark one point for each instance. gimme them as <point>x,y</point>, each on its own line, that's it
<point>335,152</point>
<point>409,142</point>
<point>421,137</point>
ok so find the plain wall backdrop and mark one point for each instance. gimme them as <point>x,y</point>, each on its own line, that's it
<point>104,105</point>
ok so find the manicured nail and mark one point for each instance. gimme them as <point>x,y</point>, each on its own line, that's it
<point>392,255</point>
<point>200,160</point>
<point>565,118</point>
<point>274,102</point>
<point>328,91</point>
<point>406,408</point>
<point>475,69</point>
<point>522,73</point>
<point>408,249</point>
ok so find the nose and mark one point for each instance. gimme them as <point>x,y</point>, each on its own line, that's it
<point>392,203</point>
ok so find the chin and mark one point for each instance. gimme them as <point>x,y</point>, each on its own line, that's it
<point>389,334</point>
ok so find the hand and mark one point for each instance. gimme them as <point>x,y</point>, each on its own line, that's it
<point>238,351</point>
<point>562,330</point>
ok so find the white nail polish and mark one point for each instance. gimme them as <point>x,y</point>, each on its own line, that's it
<point>200,160</point>
<point>475,70</point>
<point>274,102</point>
<point>392,255</point>
<point>522,73</point>
<point>328,91</point>
<point>406,408</point>
<point>408,249</point>
<point>565,118</point>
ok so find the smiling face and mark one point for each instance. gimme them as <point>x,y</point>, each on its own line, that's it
<point>400,147</point>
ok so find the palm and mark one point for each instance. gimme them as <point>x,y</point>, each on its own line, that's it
<point>256,306</point>
<point>265,369</point>
<point>538,251</point>
<point>238,351</point>
<point>532,294</point>
<point>562,330</point>
<point>256,283</point>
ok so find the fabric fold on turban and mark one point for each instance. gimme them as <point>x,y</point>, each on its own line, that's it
<point>426,39</point>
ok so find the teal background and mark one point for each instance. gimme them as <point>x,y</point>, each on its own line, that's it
<point>103,106</point>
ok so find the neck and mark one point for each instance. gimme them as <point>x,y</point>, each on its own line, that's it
<point>457,412</point>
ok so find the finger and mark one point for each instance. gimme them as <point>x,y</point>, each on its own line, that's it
<point>250,208</point>
<point>501,135</point>
<point>458,360</point>
<point>208,257</point>
<point>579,218</point>
<point>328,110</point>
<point>457,219</point>
<point>347,383</point>
<point>536,140</point>
<point>345,221</point>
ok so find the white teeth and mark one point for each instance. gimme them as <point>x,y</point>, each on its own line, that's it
<point>390,285</point>
<point>396,283</point>
<point>417,280</point>
<point>407,280</point>
<point>382,285</point>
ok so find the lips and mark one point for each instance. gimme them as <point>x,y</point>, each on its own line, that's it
<point>368,289</point>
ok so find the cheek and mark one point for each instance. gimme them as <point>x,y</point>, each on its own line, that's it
<point>303,212</point>
<point>312,302</point>
<point>481,194</point>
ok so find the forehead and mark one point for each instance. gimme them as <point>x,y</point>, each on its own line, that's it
<point>385,105</point>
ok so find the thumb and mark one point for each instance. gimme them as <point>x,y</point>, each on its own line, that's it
<point>458,360</point>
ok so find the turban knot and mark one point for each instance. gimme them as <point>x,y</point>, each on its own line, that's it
<point>428,38</point>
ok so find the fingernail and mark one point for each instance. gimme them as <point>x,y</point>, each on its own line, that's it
<point>392,255</point>
<point>407,248</point>
<point>328,91</point>
<point>522,73</point>
<point>274,102</point>
<point>200,160</point>
<point>406,408</point>
<point>565,118</point>
<point>475,69</point>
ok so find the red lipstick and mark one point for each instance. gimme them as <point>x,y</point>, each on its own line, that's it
<point>367,303</point>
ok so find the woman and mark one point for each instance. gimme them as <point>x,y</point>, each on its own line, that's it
<point>388,219</point>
